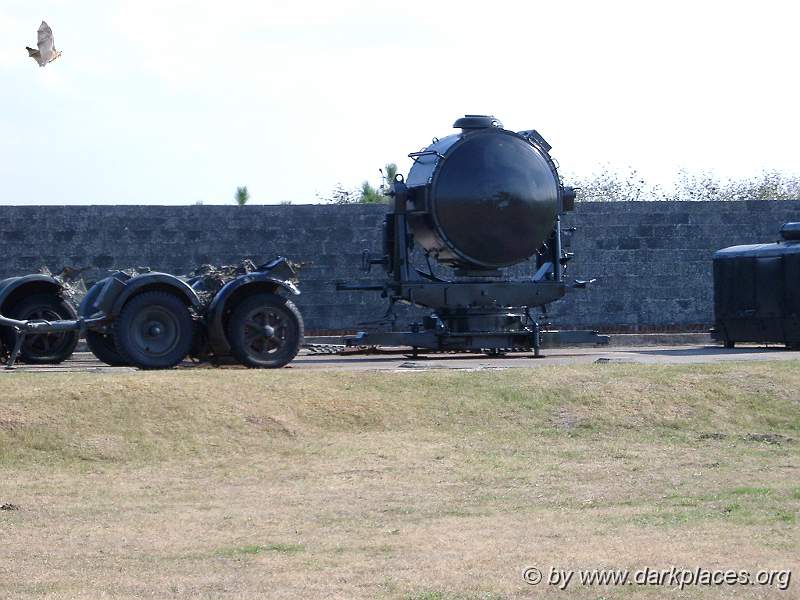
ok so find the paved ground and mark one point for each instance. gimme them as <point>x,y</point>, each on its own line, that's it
<point>84,361</point>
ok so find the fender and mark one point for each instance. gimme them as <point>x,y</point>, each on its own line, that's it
<point>227,298</point>
<point>15,287</point>
<point>119,288</point>
<point>87,307</point>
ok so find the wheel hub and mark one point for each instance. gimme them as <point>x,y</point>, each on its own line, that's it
<point>43,344</point>
<point>265,331</point>
<point>155,331</point>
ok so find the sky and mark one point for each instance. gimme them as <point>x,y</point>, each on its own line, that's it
<point>179,102</point>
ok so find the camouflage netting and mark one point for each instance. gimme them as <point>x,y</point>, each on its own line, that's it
<point>207,279</point>
<point>72,283</point>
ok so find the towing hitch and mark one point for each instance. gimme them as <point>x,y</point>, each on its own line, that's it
<point>39,327</point>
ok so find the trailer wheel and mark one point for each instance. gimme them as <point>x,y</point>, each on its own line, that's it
<point>103,347</point>
<point>45,348</point>
<point>265,331</point>
<point>154,331</point>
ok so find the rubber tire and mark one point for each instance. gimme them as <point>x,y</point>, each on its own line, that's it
<point>236,331</point>
<point>103,347</point>
<point>128,349</point>
<point>729,344</point>
<point>23,310</point>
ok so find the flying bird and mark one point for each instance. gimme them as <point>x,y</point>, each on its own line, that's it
<point>47,51</point>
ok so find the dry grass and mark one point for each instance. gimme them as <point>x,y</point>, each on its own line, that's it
<point>434,486</point>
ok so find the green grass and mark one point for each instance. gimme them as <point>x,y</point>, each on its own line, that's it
<point>751,491</point>
<point>744,505</point>
<point>429,486</point>
<point>253,549</point>
<point>433,595</point>
<point>146,417</point>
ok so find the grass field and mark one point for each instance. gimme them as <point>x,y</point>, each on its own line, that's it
<point>429,486</point>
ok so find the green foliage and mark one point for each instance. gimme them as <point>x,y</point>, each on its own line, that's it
<point>608,185</point>
<point>369,195</point>
<point>242,196</point>
<point>366,193</point>
<point>340,195</point>
<point>768,185</point>
<point>389,172</point>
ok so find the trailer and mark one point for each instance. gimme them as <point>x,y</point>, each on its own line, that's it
<point>156,320</point>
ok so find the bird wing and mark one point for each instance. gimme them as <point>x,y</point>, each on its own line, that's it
<point>45,41</point>
<point>35,55</point>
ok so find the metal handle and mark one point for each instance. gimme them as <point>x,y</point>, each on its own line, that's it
<point>416,155</point>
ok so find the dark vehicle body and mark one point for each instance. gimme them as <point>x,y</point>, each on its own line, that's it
<point>757,291</point>
<point>155,320</point>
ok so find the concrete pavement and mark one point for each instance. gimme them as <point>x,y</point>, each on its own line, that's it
<point>398,361</point>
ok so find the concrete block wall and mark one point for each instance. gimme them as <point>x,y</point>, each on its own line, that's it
<point>652,260</point>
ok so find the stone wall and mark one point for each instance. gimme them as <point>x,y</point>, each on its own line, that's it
<point>652,260</point>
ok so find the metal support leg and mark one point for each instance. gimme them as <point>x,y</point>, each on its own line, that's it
<point>15,352</point>
<point>537,340</point>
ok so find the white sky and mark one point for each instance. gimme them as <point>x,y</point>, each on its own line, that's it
<point>174,102</point>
